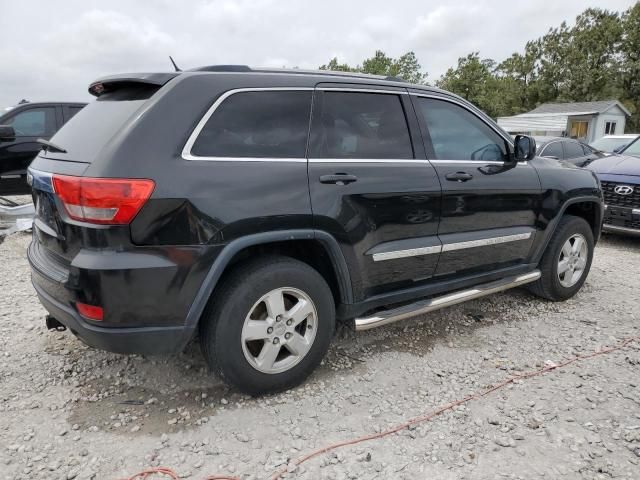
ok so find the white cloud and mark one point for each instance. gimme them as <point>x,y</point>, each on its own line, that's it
<point>66,45</point>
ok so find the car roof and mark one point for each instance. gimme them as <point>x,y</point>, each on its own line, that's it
<point>286,74</point>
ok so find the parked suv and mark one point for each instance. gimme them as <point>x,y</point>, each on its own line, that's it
<point>20,128</point>
<point>257,208</point>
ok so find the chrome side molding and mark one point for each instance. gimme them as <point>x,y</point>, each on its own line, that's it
<point>429,305</point>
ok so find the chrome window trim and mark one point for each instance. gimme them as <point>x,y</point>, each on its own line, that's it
<point>547,146</point>
<point>475,162</point>
<point>186,151</point>
<point>362,90</point>
<point>367,160</point>
<point>450,247</point>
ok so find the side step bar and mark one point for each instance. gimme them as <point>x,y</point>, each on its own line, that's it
<point>436,303</point>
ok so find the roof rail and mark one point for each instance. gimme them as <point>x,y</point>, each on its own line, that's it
<point>222,68</point>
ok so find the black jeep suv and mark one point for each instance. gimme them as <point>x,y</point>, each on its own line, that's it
<point>258,207</point>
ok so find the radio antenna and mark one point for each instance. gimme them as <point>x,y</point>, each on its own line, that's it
<point>174,64</point>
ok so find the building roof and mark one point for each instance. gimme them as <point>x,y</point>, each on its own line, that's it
<point>578,108</point>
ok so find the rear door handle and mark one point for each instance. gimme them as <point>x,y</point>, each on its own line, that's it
<point>338,178</point>
<point>458,176</point>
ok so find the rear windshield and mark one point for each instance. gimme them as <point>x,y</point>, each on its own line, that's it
<point>87,133</point>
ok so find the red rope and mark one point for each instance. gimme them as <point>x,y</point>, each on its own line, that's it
<point>144,475</point>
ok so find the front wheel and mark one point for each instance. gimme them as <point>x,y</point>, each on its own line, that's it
<point>270,325</point>
<point>566,261</point>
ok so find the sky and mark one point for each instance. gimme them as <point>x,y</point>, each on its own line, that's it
<point>52,50</point>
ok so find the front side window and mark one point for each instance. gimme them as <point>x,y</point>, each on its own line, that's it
<point>457,134</point>
<point>573,150</point>
<point>554,149</point>
<point>261,124</point>
<point>359,125</point>
<point>35,122</point>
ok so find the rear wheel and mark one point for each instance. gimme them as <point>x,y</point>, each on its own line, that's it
<point>269,326</point>
<point>566,261</point>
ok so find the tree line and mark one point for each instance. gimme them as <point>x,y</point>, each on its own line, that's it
<point>596,58</point>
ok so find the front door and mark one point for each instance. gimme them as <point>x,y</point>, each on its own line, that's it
<point>372,187</point>
<point>488,212</point>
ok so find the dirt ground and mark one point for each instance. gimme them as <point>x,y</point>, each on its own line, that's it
<point>68,411</point>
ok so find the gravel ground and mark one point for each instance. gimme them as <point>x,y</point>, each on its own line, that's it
<point>67,411</point>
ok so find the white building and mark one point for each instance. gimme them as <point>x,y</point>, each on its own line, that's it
<point>586,121</point>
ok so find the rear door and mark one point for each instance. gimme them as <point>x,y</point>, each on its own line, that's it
<point>488,210</point>
<point>372,187</point>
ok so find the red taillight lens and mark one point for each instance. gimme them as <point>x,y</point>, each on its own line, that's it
<point>114,201</point>
<point>92,312</point>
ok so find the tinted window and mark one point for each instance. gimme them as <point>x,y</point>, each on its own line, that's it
<point>257,124</point>
<point>554,149</point>
<point>359,125</point>
<point>457,134</point>
<point>34,122</point>
<point>586,149</point>
<point>71,111</point>
<point>573,150</point>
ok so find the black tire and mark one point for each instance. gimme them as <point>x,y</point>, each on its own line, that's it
<point>222,323</point>
<point>548,285</point>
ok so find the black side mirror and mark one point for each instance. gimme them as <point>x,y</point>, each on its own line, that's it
<point>7,133</point>
<point>524,148</point>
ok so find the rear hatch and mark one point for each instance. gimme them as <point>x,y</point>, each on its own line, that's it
<point>64,222</point>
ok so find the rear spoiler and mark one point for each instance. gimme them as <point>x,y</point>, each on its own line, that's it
<point>114,82</point>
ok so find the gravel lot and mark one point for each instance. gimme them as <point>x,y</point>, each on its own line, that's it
<point>67,411</point>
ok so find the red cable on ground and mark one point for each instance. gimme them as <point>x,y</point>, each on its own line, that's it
<point>421,419</point>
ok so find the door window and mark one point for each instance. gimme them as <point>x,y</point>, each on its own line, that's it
<point>35,122</point>
<point>573,150</point>
<point>359,125</point>
<point>261,124</point>
<point>458,134</point>
<point>554,149</point>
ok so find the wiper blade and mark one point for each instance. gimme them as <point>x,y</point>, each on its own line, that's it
<point>47,146</point>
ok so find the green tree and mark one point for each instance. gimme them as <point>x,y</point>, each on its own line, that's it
<point>630,65</point>
<point>406,66</point>
<point>474,80</point>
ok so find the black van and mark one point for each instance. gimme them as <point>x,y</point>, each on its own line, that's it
<point>20,128</point>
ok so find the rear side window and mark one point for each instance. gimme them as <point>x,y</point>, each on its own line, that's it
<point>573,150</point>
<point>587,150</point>
<point>264,124</point>
<point>34,122</point>
<point>553,150</point>
<point>458,134</point>
<point>359,125</point>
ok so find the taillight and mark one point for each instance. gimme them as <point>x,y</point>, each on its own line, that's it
<point>92,312</point>
<point>113,201</point>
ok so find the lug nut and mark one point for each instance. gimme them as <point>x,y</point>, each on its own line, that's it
<point>278,318</point>
<point>270,330</point>
<point>289,322</point>
<point>276,341</point>
<point>287,336</point>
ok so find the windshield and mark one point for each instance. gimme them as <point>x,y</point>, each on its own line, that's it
<point>633,149</point>
<point>609,144</point>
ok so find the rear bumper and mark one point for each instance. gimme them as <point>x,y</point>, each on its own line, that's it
<point>143,340</point>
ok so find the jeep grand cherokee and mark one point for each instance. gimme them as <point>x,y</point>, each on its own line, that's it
<point>258,207</point>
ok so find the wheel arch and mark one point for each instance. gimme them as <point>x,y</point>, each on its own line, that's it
<point>589,208</point>
<point>283,242</point>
